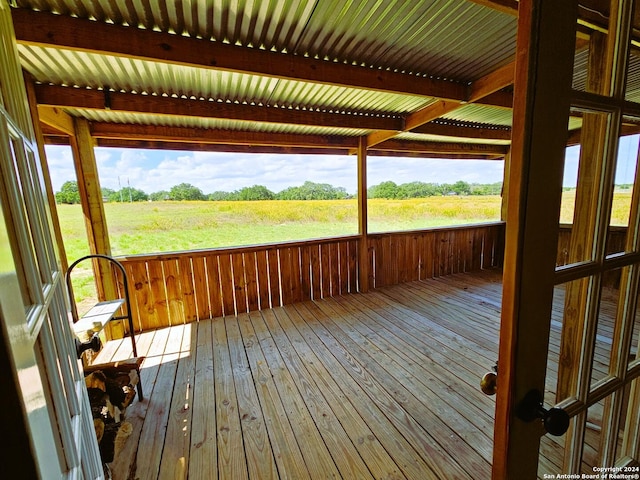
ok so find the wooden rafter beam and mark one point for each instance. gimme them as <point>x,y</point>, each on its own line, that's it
<point>469,149</point>
<point>62,31</point>
<point>491,83</point>
<point>464,131</point>
<point>124,135</point>
<point>509,7</point>
<point>66,97</point>
<point>56,119</point>
<point>487,85</point>
<point>210,147</point>
<point>403,151</point>
<point>115,131</point>
<point>448,156</point>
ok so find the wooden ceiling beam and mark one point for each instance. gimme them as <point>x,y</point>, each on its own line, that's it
<point>509,7</point>
<point>464,131</point>
<point>211,147</point>
<point>469,149</point>
<point>62,31</point>
<point>440,156</point>
<point>208,147</point>
<point>487,85</point>
<point>56,119</point>
<point>103,130</point>
<point>491,83</point>
<point>185,138</point>
<point>67,97</point>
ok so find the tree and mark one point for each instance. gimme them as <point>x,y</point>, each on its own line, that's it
<point>386,189</point>
<point>417,190</point>
<point>461,188</point>
<point>257,192</point>
<point>68,193</point>
<point>185,191</point>
<point>221,196</point>
<point>128,194</point>
<point>159,196</point>
<point>313,191</point>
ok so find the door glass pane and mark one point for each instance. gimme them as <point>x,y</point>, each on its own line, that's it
<point>580,63</point>
<point>581,186</point>
<point>609,305</point>
<point>635,340</point>
<point>551,456</point>
<point>624,182</point>
<point>569,321</point>
<point>632,92</point>
<point>591,454</point>
<point>626,426</point>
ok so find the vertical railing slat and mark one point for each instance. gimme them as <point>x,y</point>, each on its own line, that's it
<point>215,290</point>
<point>250,275</point>
<point>262,271</point>
<point>159,296</point>
<point>226,284</point>
<point>200,287</point>
<point>239,282</point>
<point>274,277</point>
<point>173,289</point>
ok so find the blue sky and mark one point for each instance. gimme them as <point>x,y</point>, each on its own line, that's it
<point>154,170</point>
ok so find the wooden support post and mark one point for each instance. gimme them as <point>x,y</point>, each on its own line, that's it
<point>363,258</point>
<point>51,200</point>
<point>504,206</point>
<point>95,221</point>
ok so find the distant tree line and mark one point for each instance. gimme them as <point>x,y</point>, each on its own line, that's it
<point>69,192</point>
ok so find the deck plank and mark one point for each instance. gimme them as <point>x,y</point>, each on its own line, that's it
<point>154,430</point>
<point>175,454</point>
<point>231,455</point>
<point>374,407</point>
<point>281,402</point>
<point>350,464</point>
<point>307,368</point>
<point>380,385</point>
<point>432,394</point>
<point>370,378</point>
<point>204,451</point>
<point>260,461</point>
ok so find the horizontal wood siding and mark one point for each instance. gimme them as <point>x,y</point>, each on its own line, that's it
<point>401,257</point>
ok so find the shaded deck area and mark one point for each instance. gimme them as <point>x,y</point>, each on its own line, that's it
<point>376,385</point>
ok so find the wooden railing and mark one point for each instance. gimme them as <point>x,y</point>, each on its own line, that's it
<point>174,288</point>
<point>616,242</point>
<point>408,256</point>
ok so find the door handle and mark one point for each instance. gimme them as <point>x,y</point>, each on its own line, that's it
<point>489,382</point>
<point>555,420</point>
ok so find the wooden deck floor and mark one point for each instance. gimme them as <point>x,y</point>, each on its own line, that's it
<point>382,385</point>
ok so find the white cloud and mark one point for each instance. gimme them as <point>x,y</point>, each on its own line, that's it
<point>154,170</point>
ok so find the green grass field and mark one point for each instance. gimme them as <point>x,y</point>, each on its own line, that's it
<point>151,227</point>
<point>154,227</point>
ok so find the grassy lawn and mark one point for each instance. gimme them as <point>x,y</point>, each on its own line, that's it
<point>154,227</point>
<point>151,227</point>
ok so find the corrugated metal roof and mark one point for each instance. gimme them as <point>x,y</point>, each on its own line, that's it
<point>211,123</point>
<point>453,40</point>
<point>481,114</point>
<point>72,68</point>
<point>425,37</point>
